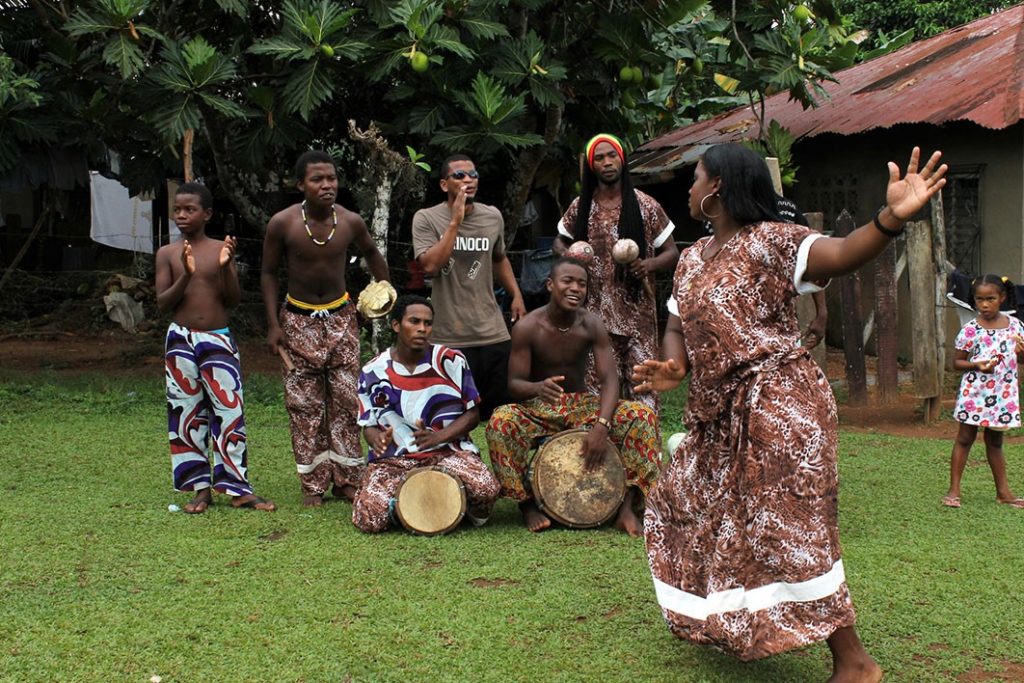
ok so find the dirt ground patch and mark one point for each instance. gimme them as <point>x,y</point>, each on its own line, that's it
<point>116,353</point>
<point>113,353</point>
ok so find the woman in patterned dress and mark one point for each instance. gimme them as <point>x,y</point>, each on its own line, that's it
<point>741,527</point>
<point>987,350</point>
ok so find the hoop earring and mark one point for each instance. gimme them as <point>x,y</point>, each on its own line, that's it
<point>704,199</point>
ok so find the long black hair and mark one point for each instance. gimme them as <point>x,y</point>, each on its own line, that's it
<point>746,191</point>
<point>631,221</point>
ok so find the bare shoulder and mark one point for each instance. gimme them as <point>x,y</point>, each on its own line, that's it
<point>349,217</point>
<point>526,327</point>
<point>283,218</point>
<point>593,323</point>
<point>168,251</point>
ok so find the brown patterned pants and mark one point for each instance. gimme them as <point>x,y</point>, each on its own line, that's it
<point>371,511</point>
<point>320,395</point>
<point>514,430</point>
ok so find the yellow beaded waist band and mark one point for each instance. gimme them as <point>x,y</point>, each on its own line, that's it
<point>315,310</point>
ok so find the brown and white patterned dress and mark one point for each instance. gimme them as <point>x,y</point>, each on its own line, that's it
<point>741,528</point>
<point>632,323</point>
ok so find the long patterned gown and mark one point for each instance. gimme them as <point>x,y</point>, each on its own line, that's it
<point>741,528</point>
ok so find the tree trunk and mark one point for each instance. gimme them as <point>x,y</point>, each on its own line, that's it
<point>521,183</point>
<point>28,242</point>
<point>241,188</point>
<point>379,234</point>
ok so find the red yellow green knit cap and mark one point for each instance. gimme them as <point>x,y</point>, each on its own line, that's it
<point>598,139</point>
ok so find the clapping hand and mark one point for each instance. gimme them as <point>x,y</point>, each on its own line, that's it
<point>227,252</point>
<point>188,259</point>
<point>657,376</point>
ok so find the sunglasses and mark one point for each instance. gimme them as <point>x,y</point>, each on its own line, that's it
<point>462,175</point>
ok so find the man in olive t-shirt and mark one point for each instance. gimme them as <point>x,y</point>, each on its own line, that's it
<point>461,245</point>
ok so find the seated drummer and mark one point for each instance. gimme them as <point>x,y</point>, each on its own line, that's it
<point>417,405</point>
<point>546,372</point>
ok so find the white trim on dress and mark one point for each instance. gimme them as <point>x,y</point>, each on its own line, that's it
<point>802,253</point>
<point>696,607</point>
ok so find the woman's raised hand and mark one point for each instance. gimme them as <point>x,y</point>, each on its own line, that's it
<point>908,196</point>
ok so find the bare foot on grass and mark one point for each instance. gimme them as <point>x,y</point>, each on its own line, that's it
<point>313,500</point>
<point>200,503</point>
<point>627,520</point>
<point>253,502</point>
<point>851,663</point>
<point>864,672</point>
<point>533,518</point>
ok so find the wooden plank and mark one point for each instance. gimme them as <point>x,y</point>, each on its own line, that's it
<point>887,340</point>
<point>921,270</point>
<point>942,274</point>
<point>773,169</point>
<point>853,328</point>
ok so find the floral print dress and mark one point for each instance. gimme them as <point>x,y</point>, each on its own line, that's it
<point>989,399</point>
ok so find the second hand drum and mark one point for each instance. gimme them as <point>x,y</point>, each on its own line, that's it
<point>430,501</point>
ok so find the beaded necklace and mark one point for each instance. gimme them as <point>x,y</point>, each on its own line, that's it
<point>305,222</point>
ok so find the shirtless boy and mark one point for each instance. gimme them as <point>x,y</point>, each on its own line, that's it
<point>547,374</point>
<point>197,280</point>
<point>316,327</point>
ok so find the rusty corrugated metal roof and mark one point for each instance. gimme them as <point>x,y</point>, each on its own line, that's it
<point>969,73</point>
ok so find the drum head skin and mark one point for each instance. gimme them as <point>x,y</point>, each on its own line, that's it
<point>566,492</point>
<point>431,501</point>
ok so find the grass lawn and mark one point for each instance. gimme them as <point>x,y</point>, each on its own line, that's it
<point>100,582</point>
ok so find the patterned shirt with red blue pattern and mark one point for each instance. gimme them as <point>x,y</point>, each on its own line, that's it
<point>438,391</point>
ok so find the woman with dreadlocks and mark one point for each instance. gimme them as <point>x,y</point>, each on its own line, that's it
<point>609,209</point>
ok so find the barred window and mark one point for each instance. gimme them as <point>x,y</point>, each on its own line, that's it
<point>961,199</point>
<point>830,194</point>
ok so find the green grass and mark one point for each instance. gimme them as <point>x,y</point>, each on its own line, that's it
<point>99,582</point>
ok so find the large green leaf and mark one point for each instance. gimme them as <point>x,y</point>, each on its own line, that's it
<point>282,48</point>
<point>516,140</point>
<point>424,120</point>
<point>488,95</point>
<point>81,23</point>
<point>222,105</point>
<point>483,29</point>
<point>308,87</point>
<point>121,52</point>
<point>175,117</point>
<point>197,51</point>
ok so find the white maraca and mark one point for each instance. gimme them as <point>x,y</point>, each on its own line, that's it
<point>625,251</point>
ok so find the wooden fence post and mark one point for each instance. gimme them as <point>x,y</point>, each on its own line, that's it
<point>921,272</point>
<point>886,332</point>
<point>853,326</point>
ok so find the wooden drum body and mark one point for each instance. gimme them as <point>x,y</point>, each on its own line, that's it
<point>430,501</point>
<point>566,492</point>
